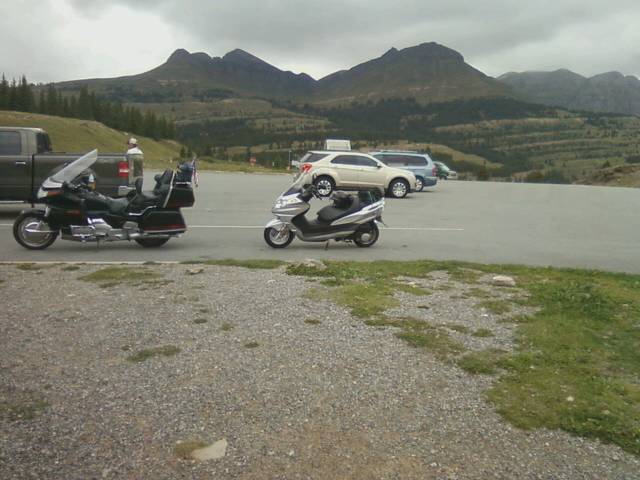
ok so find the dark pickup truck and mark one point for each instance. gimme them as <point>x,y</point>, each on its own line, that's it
<point>26,160</point>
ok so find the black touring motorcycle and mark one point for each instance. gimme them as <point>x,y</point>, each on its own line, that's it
<point>80,214</point>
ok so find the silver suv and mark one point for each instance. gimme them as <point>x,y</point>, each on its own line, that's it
<point>420,164</point>
<point>332,170</point>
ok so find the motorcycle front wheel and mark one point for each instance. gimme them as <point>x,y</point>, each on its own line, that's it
<point>278,238</point>
<point>33,232</point>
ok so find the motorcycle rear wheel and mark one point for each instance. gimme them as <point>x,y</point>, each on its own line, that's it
<point>367,237</point>
<point>30,240</point>
<point>151,242</point>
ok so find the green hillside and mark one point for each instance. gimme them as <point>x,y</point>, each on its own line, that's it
<point>72,135</point>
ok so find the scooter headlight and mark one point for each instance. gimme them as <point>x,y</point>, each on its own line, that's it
<point>285,202</point>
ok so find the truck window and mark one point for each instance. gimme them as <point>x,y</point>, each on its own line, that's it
<point>44,144</point>
<point>10,143</point>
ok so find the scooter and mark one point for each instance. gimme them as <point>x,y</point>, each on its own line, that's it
<point>75,210</point>
<point>350,218</point>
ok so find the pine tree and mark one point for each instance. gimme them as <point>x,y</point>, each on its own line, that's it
<point>4,93</point>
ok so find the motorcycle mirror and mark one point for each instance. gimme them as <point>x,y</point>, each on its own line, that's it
<point>314,176</point>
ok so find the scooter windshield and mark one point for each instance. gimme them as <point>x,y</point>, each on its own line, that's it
<point>75,168</point>
<point>297,185</point>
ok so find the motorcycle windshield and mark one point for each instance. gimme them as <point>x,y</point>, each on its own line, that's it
<point>75,168</point>
<point>298,183</point>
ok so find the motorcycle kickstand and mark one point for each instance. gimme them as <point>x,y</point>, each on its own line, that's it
<point>326,246</point>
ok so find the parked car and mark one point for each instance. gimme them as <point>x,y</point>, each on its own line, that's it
<point>331,171</point>
<point>26,159</point>
<point>420,164</point>
<point>444,172</point>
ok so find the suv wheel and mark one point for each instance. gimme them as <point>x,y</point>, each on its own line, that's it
<point>399,188</point>
<point>325,185</point>
<point>419,184</point>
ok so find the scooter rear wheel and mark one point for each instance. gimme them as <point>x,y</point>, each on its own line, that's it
<point>367,237</point>
<point>33,240</point>
<point>278,238</point>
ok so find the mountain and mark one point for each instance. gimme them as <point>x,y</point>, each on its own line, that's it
<point>610,92</point>
<point>428,72</point>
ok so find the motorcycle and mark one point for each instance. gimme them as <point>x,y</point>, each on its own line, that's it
<point>350,218</point>
<point>78,213</point>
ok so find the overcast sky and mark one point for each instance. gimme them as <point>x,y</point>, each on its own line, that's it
<point>53,40</point>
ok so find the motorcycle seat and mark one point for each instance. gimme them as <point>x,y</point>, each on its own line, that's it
<point>117,206</point>
<point>331,213</point>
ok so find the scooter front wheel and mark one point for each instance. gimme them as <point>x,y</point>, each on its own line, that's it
<point>368,236</point>
<point>278,238</point>
<point>33,232</point>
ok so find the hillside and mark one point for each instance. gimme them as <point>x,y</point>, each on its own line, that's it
<point>72,135</point>
<point>428,72</point>
<point>608,92</point>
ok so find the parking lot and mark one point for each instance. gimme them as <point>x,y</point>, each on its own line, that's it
<point>559,225</point>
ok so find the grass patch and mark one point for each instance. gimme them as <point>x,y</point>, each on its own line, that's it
<point>23,410</point>
<point>30,267</point>
<point>251,345</point>
<point>227,327</point>
<point>497,307</point>
<point>146,354</point>
<point>113,276</point>
<point>200,321</point>
<point>457,328</point>
<point>312,321</point>
<point>582,343</point>
<point>478,293</point>
<point>483,333</point>
<point>253,264</point>
<point>185,449</point>
<point>70,268</point>
<point>482,362</point>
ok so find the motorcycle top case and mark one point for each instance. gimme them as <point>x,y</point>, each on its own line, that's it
<point>163,221</point>
<point>181,196</point>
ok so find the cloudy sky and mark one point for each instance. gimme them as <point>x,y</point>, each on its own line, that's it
<point>53,40</point>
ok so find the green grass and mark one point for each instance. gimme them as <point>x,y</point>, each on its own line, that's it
<point>200,321</point>
<point>253,264</point>
<point>70,268</point>
<point>227,327</point>
<point>146,354</point>
<point>312,321</point>
<point>251,344</point>
<point>457,328</point>
<point>482,362</point>
<point>582,343</point>
<point>483,333</point>
<point>112,276</point>
<point>496,306</point>
<point>30,267</point>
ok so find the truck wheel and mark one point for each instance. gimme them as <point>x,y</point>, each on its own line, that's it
<point>399,188</point>
<point>33,240</point>
<point>325,185</point>
<point>419,184</point>
<point>151,242</point>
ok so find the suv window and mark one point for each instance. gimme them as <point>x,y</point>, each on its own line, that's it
<point>366,162</point>
<point>44,144</point>
<point>346,160</point>
<point>391,160</point>
<point>415,161</point>
<point>10,143</point>
<point>313,157</point>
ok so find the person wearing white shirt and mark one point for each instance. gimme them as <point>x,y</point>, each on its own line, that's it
<point>133,148</point>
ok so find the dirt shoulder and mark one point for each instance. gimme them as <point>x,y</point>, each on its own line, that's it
<point>121,376</point>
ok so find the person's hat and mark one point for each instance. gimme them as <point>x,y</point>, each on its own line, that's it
<point>133,141</point>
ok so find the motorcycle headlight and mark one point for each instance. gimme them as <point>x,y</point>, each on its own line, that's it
<point>285,202</point>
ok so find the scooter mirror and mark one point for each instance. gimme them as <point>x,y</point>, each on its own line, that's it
<point>313,177</point>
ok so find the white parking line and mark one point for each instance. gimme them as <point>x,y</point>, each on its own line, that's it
<point>424,229</point>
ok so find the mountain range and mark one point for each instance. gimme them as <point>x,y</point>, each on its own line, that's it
<point>429,73</point>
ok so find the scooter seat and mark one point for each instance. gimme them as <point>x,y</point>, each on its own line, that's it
<point>331,213</point>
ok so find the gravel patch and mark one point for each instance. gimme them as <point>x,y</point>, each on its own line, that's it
<point>332,398</point>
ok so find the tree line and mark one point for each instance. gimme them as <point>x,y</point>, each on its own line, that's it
<point>21,96</point>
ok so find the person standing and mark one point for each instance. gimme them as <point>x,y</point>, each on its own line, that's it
<point>133,148</point>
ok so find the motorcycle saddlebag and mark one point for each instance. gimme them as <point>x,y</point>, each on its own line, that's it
<point>181,196</point>
<point>163,221</point>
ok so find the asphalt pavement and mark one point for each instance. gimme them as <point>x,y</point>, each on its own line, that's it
<point>558,225</point>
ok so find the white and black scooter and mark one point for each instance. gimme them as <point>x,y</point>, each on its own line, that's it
<point>351,217</point>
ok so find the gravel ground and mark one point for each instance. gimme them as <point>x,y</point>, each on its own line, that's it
<point>335,399</point>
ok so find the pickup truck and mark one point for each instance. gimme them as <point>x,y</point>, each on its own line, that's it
<point>26,160</point>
